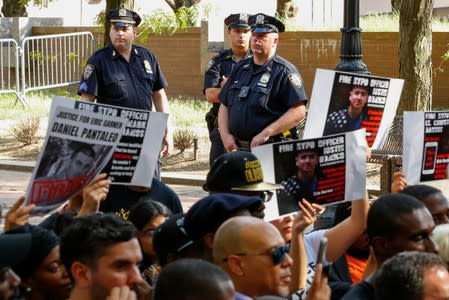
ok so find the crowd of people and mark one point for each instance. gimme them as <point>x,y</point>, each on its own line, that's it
<point>123,242</point>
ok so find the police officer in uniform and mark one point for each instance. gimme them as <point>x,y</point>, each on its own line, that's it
<point>218,71</point>
<point>126,75</point>
<point>263,99</point>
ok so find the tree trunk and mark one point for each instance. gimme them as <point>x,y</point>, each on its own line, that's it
<point>111,4</point>
<point>415,51</point>
<point>175,5</point>
<point>14,8</point>
<point>396,5</point>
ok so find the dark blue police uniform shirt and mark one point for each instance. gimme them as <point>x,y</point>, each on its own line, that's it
<point>256,96</point>
<point>220,65</point>
<point>110,78</point>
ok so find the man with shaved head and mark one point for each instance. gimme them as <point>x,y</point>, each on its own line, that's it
<point>254,255</point>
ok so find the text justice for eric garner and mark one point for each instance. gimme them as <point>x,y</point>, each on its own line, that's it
<point>93,134</point>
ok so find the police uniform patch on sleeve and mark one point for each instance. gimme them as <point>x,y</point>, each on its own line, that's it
<point>88,71</point>
<point>210,64</point>
<point>295,79</point>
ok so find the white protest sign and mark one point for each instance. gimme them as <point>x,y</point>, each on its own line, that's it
<point>137,154</point>
<point>324,170</point>
<point>77,147</point>
<point>343,102</point>
<point>426,146</point>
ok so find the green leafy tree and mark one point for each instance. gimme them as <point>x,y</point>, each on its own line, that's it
<point>186,11</point>
<point>162,21</point>
<point>18,8</point>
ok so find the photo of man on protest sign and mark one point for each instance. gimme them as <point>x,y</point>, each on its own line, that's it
<point>426,146</point>
<point>353,101</point>
<point>137,154</point>
<point>303,184</point>
<point>319,170</point>
<point>73,160</point>
<point>349,117</point>
<point>77,147</point>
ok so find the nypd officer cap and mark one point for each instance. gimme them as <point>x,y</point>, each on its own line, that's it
<point>122,17</point>
<point>262,23</point>
<point>239,21</point>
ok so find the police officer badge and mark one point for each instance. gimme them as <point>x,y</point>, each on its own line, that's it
<point>263,81</point>
<point>147,67</point>
<point>243,18</point>
<point>260,19</point>
<point>122,12</point>
<point>88,71</point>
<point>295,79</point>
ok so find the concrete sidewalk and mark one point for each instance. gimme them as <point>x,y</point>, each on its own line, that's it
<point>15,175</point>
<point>179,178</point>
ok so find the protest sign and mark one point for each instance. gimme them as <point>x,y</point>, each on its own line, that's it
<point>352,101</point>
<point>76,148</point>
<point>324,170</point>
<point>137,154</point>
<point>426,146</point>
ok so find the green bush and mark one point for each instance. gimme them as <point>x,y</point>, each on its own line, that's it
<point>162,21</point>
<point>25,130</point>
<point>183,139</point>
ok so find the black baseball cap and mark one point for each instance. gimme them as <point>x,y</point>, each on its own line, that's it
<point>207,214</point>
<point>239,21</point>
<point>262,23</point>
<point>14,248</point>
<point>237,171</point>
<point>171,238</point>
<point>122,17</point>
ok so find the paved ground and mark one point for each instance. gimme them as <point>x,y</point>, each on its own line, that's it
<point>14,183</point>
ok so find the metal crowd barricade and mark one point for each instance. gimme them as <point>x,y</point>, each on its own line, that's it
<point>9,68</point>
<point>57,60</point>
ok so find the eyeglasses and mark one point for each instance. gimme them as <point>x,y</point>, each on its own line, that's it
<point>277,254</point>
<point>266,195</point>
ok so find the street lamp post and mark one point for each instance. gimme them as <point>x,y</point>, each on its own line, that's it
<point>351,45</point>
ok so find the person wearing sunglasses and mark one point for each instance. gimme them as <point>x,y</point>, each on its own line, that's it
<point>240,172</point>
<point>255,256</point>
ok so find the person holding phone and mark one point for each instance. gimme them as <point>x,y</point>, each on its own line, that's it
<point>396,223</point>
<point>340,238</point>
<point>351,267</point>
<point>292,229</point>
